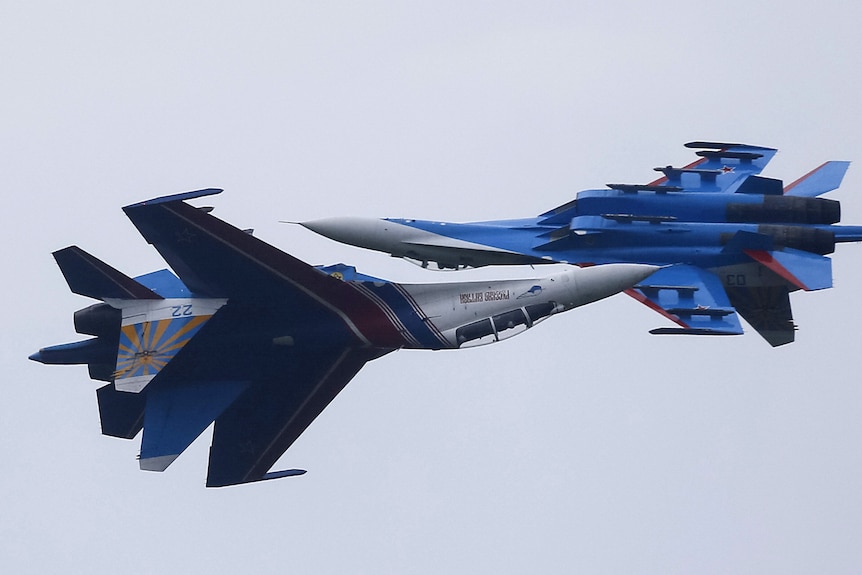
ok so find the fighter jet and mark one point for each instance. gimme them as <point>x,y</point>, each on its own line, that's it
<point>741,242</point>
<point>255,340</point>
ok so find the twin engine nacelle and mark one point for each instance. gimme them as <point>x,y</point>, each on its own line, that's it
<point>813,240</point>
<point>786,210</point>
<point>102,321</point>
<point>99,319</point>
<point>711,207</point>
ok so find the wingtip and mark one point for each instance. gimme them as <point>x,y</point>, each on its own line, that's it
<point>211,482</point>
<point>159,463</point>
<point>176,197</point>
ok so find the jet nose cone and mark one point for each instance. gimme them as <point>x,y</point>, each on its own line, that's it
<point>349,230</point>
<point>332,226</point>
<point>629,275</point>
<point>370,233</point>
<point>597,282</point>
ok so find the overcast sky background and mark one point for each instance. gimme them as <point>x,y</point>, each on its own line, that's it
<point>586,445</point>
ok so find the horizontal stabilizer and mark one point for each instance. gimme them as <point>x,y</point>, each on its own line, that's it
<point>822,179</point>
<point>91,277</point>
<point>176,414</point>
<point>804,270</point>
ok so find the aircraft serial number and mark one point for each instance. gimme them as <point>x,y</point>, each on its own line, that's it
<point>735,279</point>
<point>181,310</point>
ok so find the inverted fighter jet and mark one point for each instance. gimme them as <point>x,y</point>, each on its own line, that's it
<point>253,339</point>
<point>741,242</point>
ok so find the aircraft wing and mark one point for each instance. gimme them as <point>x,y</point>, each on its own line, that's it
<point>721,167</point>
<point>696,300</point>
<point>692,298</point>
<point>267,362</point>
<point>280,409</point>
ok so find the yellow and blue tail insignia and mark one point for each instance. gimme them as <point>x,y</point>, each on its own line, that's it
<point>147,346</point>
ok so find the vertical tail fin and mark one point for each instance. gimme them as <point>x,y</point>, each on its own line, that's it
<point>146,332</point>
<point>91,277</point>
<point>824,178</point>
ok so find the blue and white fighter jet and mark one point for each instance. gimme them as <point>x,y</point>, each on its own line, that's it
<point>259,342</point>
<point>740,242</point>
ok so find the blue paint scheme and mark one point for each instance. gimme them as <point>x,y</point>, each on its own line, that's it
<point>258,343</point>
<point>822,179</point>
<point>94,350</point>
<point>812,271</point>
<point>253,340</point>
<point>693,295</point>
<point>164,283</point>
<point>177,413</point>
<point>717,216</point>
<point>262,368</point>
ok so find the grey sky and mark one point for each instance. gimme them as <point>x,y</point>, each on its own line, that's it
<point>586,445</point>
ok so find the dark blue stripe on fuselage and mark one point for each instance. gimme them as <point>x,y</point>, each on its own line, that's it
<point>408,313</point>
